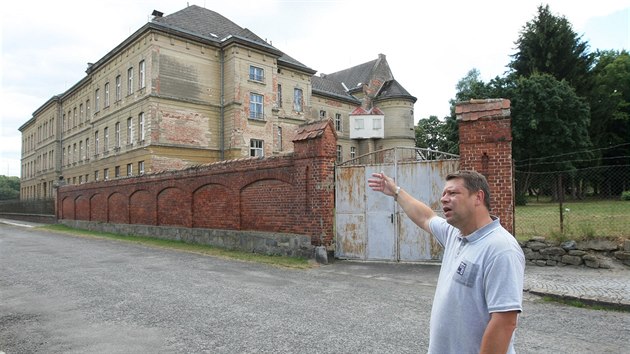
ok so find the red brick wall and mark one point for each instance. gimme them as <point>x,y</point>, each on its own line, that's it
<point>288,194</point>
<point>485,145</point>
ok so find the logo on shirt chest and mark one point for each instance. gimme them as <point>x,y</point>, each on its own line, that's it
<point>462,268</point>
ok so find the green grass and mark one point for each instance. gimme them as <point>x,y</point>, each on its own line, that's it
<point>583,304</point>
<point>582,220</point>
<point>279,261</point>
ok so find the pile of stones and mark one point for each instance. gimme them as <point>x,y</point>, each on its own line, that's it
<point>596,253</point>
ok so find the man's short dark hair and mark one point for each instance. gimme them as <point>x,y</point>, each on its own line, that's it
<point>474,181</point>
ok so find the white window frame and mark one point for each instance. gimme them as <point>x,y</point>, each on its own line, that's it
<point>106,102</point>
<point>298,99</point>
<point>130,81</point>
<point>117,134</point>
<point>141,167</point>
<point>256,73</point>
<point>97,98</point>
<point>338,125</point>
<point>129,169</point>
<point>141,130</point>
<point>96,142</point>
<point>129,130</point>
<point>256,148</point>
<point>256,108</point>
<point>141,73</point>
<point>118,88</point>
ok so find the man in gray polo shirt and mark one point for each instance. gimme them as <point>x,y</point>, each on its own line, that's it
<point>480,288</point>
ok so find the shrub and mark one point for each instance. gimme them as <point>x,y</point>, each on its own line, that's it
<point>520,199</point>
<point>625,195</point>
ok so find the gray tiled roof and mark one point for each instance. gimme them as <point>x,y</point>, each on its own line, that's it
<point>394,89</point>
<point>354,76</point>
<point>214,26</point>
<point>323,85</point>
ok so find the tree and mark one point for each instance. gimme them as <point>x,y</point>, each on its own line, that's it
<point>430,134</point>
<point>9,188</point>
<point>610,120</point>
<point>548,44</point>
<point>549,122</point>
<point>469,87</point>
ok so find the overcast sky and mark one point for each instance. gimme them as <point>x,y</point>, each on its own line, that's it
<point>430,46</point>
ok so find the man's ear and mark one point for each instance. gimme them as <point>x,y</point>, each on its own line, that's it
<point>479,197</point>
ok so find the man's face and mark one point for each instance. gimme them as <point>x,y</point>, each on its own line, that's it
<point>457,203</point>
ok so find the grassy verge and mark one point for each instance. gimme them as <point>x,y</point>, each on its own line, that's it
<point>279,261</point>
<point>584,304</point>
<point>582,220</point>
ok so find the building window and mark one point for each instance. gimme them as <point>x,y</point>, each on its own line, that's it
<point>106,174</point>
<point>297,100</point>
<point>87,110</point>
<point>81,156</point>
<point>256,73</point>
<point>338,122</point>
<point>117,171</point>
<point>129,169</point>
<point>96,141</point>
<point>81,115</point>
<point>322,114</point>
<point>141,126</point>
<point>117,135</point>
<point>353,152</point>
<point>141,72</point>
<point>96,175</point>
<point>339,153</point>
<point>75,156</point>
<point>106,139</point>
<point>358,124</point>
<point>97,98</point>
<point>129,131</point>
<point>256,106</point>
<point>65,157</point>
<point>87,149</point>
<point>130,81</point>
<point>106,103</point>
<point>75,118</point>
<point>141,167</point>
<point>81,179</point>
<point>256,148</point>
<point>279,138</point>
<point>279,102</point>
<point>118,88</point>
<point>376,123</point>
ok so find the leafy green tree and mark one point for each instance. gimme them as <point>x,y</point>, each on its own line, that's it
<point>548,44</point>
<point>549,123</point>
<point>610,99</point>
<point>430,133</point>
<point>9,188</point>
<point>610,120</point>
<point>469,87</point>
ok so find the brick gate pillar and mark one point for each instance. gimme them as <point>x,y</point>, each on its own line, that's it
<point>485,145</point>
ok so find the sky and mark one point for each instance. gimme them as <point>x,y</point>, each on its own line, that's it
<point>430,46</point>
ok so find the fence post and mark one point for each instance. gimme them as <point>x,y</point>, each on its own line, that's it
<point>561,200</point>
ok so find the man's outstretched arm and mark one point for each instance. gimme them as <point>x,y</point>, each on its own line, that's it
<point>417,211</point>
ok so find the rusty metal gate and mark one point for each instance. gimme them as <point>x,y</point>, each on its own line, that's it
<point>370,225</point>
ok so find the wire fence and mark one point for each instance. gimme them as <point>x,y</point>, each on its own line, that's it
<point>577,204</point>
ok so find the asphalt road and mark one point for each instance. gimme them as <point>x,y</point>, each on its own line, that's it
<point>67,294</point>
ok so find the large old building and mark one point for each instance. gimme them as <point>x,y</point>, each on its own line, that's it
<point>193,87</point>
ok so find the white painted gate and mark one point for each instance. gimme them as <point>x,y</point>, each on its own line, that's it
<point>370,225</point>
